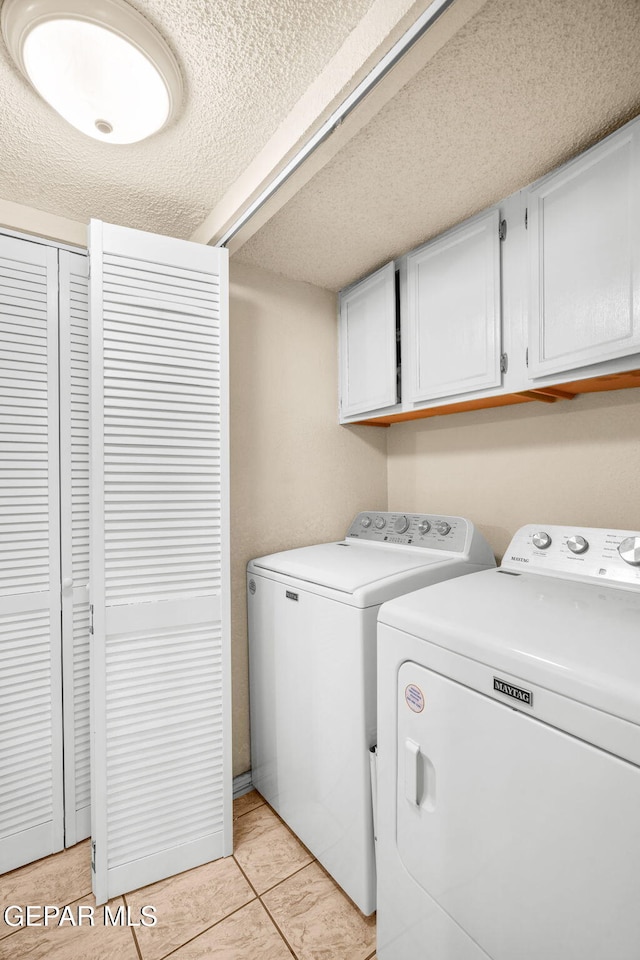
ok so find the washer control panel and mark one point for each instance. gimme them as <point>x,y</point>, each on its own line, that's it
<point>412,530</point>
<point>589,553</point>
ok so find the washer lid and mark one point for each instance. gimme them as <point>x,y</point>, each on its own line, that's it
<point>347,567</point>
<point>578,639</point>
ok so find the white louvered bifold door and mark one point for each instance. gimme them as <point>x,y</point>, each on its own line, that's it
<point>74,512</point>
<point>31,811</point>
<point>160,711</point>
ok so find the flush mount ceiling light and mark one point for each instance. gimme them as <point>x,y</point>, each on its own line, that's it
<point>99,63</point>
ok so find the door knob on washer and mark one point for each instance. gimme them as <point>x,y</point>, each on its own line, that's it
<point>541,540</point>
<point>629,550</point>
<point>578,544</point>
<point>401,525</point>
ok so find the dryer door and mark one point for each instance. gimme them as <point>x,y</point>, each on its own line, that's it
<point>528,838</point>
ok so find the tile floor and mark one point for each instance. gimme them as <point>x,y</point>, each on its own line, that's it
<point>270,901</point>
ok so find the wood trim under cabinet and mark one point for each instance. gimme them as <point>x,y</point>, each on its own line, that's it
<point>563,391</point>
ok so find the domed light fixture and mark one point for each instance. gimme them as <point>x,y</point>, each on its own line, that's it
<point>99,63</point>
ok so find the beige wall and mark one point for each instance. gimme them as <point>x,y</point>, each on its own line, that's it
<point>297,477</point>
<point>574,462</point>
<point>15,216</point>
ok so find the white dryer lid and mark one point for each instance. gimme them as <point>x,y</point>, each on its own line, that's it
<point>347,567</point>
<point>578,639</point>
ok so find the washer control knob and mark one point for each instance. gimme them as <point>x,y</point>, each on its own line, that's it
<point>424,526</point>
<point>380,523</point>
<point>578,544</point>
<point>541,540</point>
<point>366,522</point>
<point>629,550</point>
<point>442,527</point>
<point>401,525</point>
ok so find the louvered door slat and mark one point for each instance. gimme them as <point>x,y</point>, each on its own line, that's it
<point>159,564</point>
<point>141,280</point>
<point>74,508</point>
<point>31,817</point>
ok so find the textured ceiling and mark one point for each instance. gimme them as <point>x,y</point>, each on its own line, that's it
<point>245,64</point>
<point>524,85</point>
<point>521,88</point>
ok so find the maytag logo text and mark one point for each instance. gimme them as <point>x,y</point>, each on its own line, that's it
<point>516,693</point>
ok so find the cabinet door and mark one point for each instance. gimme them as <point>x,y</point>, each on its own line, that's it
<point>368,362</point>
<point>159,557</point>
<point>453,313</point>
<point>31,814</point>
<point>584,259</point>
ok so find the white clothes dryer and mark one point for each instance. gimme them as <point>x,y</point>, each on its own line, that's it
<point>312,658</point>
<point>509,757</point>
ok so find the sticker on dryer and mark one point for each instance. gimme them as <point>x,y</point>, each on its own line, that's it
<point>414,698</point>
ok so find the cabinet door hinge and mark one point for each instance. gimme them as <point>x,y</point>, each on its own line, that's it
<point>91,618</point>
<point>526,357</point>
<point>526,218</point>
<point>502,230</point>
<point>504,362</point>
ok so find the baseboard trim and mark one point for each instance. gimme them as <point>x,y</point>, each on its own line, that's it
<point>242,784</point>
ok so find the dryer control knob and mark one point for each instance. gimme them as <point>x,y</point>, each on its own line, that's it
<point>578,544</point>
<point>629,550</point>
<point>424,526</point>
<point>380,523</point>
<point>401,525</point>
<point>541,540</point>
<point>442,527</point>
<point>366,522</point>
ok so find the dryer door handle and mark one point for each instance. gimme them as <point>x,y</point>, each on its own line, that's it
<point>419,777</point>
<point>411,771</point>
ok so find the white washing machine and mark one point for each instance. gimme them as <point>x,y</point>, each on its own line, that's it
<point>312,646</point>
<point>509,757</point>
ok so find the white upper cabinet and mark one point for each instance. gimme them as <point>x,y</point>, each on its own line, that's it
<point>561,298</point>
<point>368,365</point>
<point>453,313</point>
<point>584,259</point>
